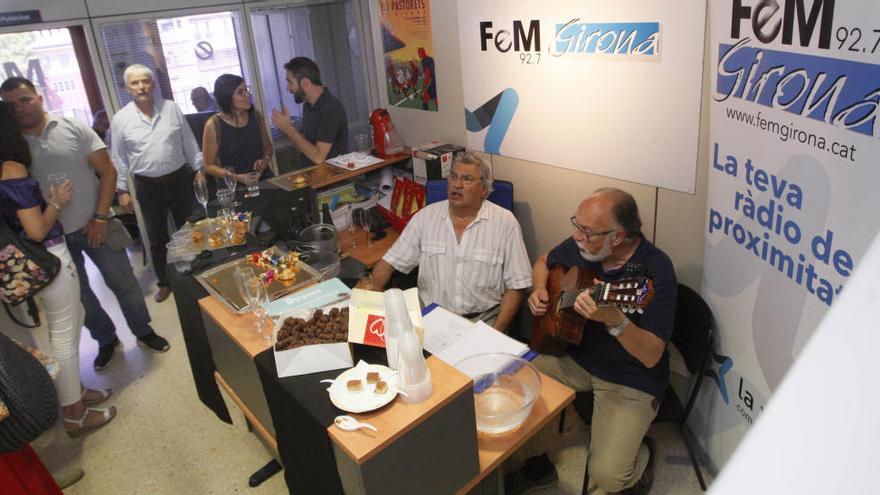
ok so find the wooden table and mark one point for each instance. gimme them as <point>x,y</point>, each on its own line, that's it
<point>428,444</point>
<point>368,255</point>
<point>234,344</point>
<point>495,450</point>
<point>323,175</point>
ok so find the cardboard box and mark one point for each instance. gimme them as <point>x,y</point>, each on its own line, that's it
<point>366,316</point>
<point>434,163</point>
<point>301,304</point>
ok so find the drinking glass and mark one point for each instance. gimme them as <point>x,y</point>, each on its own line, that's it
<point>201,189</point>
<point>57,179</point>
<point>351,227</point>
<point>366,221</point>
<point>362,143</point>
<point>231,183</point>
<point>254,292</point>
<point>227,223</point>
<point>253,182</point>
<point>226,197</point>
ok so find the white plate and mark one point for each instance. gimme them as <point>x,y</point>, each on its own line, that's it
<point>366,399</point>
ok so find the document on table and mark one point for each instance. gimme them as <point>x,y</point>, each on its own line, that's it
<point>452,338</point>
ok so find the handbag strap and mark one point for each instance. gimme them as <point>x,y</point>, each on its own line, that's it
<point>32,310</point>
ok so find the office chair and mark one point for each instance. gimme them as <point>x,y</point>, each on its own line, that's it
<point>502,192</point>
<point>694,336</point>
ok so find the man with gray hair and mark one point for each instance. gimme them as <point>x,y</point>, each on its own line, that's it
<point>622,358</point>
<point>470,252</point>
<point>153,142</point>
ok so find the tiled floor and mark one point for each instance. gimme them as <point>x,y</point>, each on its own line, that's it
<point>164,441</point>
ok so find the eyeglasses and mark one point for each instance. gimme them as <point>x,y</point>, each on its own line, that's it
<point>585,233</point>
<point>465,179</point>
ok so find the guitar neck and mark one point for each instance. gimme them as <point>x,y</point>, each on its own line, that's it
<point>599,293</point>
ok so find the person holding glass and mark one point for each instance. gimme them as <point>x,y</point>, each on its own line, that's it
<point>64,148</point>
<point>26,212</point>
<point>236,143</point>
<point>153,141</point>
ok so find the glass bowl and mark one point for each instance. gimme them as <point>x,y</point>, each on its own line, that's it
<point>505,389</point>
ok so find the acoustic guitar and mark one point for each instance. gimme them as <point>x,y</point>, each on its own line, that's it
<point>562,326</point>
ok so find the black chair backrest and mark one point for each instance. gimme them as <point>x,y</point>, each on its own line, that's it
<point>694,326</point>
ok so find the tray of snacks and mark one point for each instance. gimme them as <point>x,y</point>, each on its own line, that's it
<point>312,340</point>
<point>220,232</point>
<point>283,273</point>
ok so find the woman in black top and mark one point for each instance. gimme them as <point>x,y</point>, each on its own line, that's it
<point>236,138</point>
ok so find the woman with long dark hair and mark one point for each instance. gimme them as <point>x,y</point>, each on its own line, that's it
<point>235,140</point>
<point>24,211</point>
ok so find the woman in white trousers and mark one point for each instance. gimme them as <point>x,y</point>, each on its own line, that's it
<point>25,212</point>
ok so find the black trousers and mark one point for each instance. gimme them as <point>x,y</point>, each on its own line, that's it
<point>172,193</point>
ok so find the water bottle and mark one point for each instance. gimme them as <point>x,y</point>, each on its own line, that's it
<point>414,377</point>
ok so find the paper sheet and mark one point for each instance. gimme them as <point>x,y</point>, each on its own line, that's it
<point>452,338</point>
<point>354,161</point>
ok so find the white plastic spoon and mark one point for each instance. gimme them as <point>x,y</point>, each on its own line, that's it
<point>348,423</point>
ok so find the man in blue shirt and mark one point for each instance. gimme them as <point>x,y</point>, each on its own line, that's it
<point>622,357</point>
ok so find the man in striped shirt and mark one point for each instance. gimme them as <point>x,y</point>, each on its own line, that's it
<point>470,252</point>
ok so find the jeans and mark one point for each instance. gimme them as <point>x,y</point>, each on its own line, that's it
<point>59,337</point>
<point>157,196</point>
<point>115,267</point>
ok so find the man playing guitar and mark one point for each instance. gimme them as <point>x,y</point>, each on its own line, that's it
<point>621,357</point>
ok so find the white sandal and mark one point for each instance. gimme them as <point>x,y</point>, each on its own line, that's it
<point>108,413</point>
<point>105,394</point>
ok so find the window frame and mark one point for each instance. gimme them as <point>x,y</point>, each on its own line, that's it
<point>91,46</point>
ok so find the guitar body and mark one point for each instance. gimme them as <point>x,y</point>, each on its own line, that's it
<point>559,328</point>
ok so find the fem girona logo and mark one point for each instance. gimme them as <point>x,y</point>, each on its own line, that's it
<point>375,334</point>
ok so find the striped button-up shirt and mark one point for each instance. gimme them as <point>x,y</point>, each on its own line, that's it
<point>466,276</point>
<point>152,148</point>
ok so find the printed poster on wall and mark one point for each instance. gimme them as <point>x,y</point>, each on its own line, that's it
<point>409,53</point>
<point>609,88</point>
<point>792,199</point>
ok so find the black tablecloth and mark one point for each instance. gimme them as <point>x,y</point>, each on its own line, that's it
<point>273,206</point>
<point>301,412</point>
<point>187,292</point>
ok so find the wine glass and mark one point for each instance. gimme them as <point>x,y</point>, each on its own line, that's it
<point>231,183</point>
<point>351,227</point>
<point>228,223</point>
<point>253,290</point>
<point>201,189</point>
<point>366,221</point>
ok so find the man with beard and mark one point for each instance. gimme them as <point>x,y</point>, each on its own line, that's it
<point>470,252</point>
<point>621,358</point>
<point>325,124</point>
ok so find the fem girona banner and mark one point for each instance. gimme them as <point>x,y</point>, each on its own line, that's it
<point>609,88</point>
<point>792,189</point>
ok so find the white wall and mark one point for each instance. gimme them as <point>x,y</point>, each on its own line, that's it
<point>546,195</point>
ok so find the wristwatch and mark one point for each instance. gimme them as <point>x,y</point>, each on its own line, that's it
<point>616,330</point>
